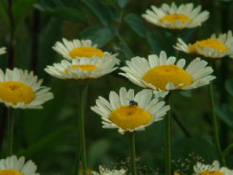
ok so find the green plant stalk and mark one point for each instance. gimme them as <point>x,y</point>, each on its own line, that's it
<point>168,136</point>
<point>10,132</point>
<point>82,93</point>
<point>214,123</point>
<point>131,138</point>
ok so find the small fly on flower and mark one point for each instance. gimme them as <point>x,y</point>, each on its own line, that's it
<point>133,103</point>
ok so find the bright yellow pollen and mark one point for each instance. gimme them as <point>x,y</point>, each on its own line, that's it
<point>15,92</point>
<point>130,117</point>
<point>86,67</point>
<point>160,76</point>
<point>175,173</point>
<point>86,52</point>
<point>212,43</point>
<point>173,18</point>
<point>10,172</point>
<point>211,172</point>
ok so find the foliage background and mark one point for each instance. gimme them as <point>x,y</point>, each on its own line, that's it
<point>49,136</point>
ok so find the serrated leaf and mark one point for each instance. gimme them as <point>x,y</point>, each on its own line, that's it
<point>122,3</point>
<point>100,10</point>
<point>225,114</point>
<point>99,35</point>
<point>229,87</point>
<point>136,24</point>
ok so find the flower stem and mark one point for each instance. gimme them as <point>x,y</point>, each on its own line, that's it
<point>82,93</point>
<point>168,136</point>
<point>214,123</point>
<point>10,131</point>
<point>131,138</point>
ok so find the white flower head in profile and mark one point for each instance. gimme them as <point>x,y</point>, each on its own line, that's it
<point>22,89</point>
<point>129,112</point>
<point>2,50</point>
<point>83,68</point>
<point>77,49</point>
<point>176,17</point>
<point>211,48</point>
<point>162,74</point>
<point>13,166</point>
<point>214,169</point>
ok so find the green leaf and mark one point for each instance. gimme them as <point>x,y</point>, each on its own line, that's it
<point>200,148</point>
<point>122,3</point>
<point>98,149</point>
<point>100,10</point>
<point>136,24</point>
<point>99,35</point>
<point>229,87</point>
<point>69,14</point>
<point>155,41</point>
<point>47,142</point>
<point>67,10</point>
<point>187,93</point>
<point>225,114</point>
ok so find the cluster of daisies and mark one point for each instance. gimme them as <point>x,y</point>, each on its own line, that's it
<point>125,111</point>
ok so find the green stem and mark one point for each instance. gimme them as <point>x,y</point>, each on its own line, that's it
<point>228,149</point>
<point>168,136</point>
<point>10,131</point>
<point>131,138</point>
<point>214,123</point>
<point>81,110</point>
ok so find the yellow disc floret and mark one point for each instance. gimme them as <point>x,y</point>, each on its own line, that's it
<point>173,18</point>
<point>211,172</point>
<point>130,117</point>
<point>212,43</point>
<point>87,67</point>
<point>10,172</point>
<point>15,92</point>
<point>160,76</point>
<point>86,52</point>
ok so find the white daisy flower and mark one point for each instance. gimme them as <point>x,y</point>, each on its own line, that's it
<point>2,50</point>
<point>79,48</point>
<point>176,18</point>
<point>161,74</point>
<point>129,112</point>
<point>214,169</point>
<point>22,89</point>
<point>106,171</point>
<point>13,166</point>
<point>214,47</point>
<point>82,68</point>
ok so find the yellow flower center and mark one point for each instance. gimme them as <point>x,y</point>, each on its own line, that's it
<point>212,43</point>
<point>86,52</point>
<point>130,117</point>
<point>160,76</point>
<point>86,67</point>
<point>176,173</point>
<point>10,172</point>
<point>211,172</point>
<point>15,92</point>
<point>173,18</point>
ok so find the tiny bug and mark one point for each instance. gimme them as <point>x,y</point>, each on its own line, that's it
<point>132,103</point>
